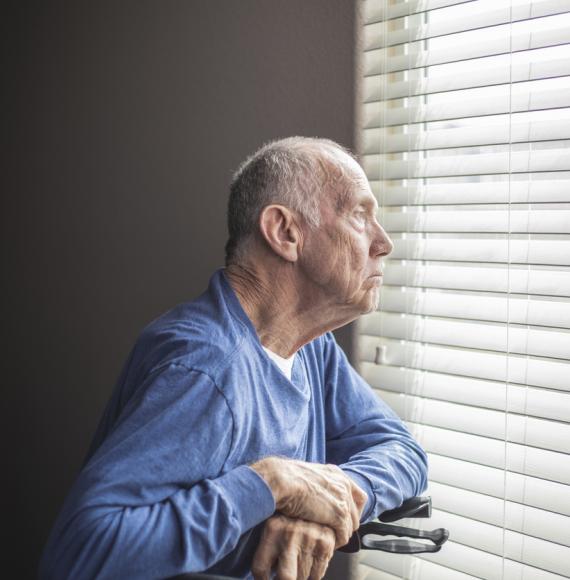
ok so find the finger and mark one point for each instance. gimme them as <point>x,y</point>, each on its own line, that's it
<point>261,568</point>
<point>265,557</point>
<point>342,526</point>
<point>287,565</point>
<point>353,512</point>
<point>319,568</point>
<point>345,490</point>
<point>360,497</point>
<point>354,515</point>
<point>322,554</point>
<point>356,499</point>
<point>304,563</point>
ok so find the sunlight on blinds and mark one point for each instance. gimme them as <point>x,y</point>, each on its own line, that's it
<point>465,137</point>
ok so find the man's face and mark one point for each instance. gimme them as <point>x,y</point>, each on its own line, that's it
<point>342,257</point>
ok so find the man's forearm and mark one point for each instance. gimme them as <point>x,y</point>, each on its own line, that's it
<point>189,531</point>
<point>390,473</point>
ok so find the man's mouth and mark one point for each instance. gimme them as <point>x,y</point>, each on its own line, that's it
<point>376,278</point>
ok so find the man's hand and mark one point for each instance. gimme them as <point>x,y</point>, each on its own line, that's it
<point>295,549</point>
<point>317,493</point>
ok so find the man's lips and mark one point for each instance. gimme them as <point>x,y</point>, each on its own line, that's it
<point>376,278</point>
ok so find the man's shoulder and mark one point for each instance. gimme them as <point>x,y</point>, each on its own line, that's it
<point>201,335</point>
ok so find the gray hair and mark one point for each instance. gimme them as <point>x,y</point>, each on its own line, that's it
<point>292,172</point>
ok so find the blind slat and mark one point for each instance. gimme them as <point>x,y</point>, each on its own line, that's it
<point>528,401</point>
<point>455,557</point>
<point>539,433</point>
<point>420,568</point>
<point>544,311</point>
<point>535,371</point>
<point>377,62</point>
<point>376,88</point>
<point>555,159</point>
<point>537,341</point>
<point>377,36</point>
<point>531,461</point>
<point>538,280</point>
<point>367,573</point>
<point>517,488</point>
<point>489,511</point>
<point>478,134</point>
<point>553,219</point>
<point>472,516</point>
<point>374,11</point>
<point>470,528</point>
<point>547,250</point>
<point>495,192</point>
<point>470,103</point>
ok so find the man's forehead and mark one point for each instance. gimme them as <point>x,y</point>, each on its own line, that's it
<point>359,191</point>
<point>345,161</point>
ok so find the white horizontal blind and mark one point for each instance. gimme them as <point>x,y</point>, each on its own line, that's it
<point>465,138</point>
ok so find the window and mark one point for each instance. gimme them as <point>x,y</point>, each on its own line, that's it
<point>465,137</point>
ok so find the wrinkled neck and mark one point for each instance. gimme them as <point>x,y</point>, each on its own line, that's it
<point>284,316</point>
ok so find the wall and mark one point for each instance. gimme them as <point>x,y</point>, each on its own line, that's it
<point>125,121</point>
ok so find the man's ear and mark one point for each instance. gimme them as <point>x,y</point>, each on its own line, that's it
<point>280,229</point>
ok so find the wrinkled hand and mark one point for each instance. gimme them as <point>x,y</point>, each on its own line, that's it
<point>295,549</point>
<point>317,493</point>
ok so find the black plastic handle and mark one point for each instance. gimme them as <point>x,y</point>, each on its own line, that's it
<point>438,536</point>
<point>401,546</point>
<point>416,507</point>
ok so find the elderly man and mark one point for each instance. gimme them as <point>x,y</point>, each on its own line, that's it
<point>239,439</point>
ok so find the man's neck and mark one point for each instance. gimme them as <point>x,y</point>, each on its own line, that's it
<point>284,317</point>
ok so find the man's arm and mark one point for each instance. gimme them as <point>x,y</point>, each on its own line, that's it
<point>367,439</point>
<point>152,501</point>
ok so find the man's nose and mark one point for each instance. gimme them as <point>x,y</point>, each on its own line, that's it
<point>382,244</point>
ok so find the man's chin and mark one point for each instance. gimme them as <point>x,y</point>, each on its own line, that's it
<point>364,303</point>
<point>370,302</point>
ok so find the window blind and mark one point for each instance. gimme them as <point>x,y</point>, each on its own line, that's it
<point>464,131</point>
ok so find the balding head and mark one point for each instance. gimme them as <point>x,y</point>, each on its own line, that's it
<point>293,172</point>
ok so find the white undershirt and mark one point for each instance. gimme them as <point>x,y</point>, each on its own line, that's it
<point>285,364</point>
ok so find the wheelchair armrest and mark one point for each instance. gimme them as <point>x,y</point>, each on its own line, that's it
<point>415,507</point>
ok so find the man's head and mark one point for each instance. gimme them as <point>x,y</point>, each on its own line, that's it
<point>294,172</point>
<point>308,202</point>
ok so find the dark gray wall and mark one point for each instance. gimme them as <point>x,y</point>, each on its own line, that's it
<point>125,121</point>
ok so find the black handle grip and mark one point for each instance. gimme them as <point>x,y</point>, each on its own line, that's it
<point>401,546</point>
<point>438,536</point>
<point>416,507</point>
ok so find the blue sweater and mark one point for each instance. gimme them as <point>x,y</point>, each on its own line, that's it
<point>166,486</point>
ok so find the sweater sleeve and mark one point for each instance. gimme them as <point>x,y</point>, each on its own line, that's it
<point>154,501</point>
<point>367,439</point>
